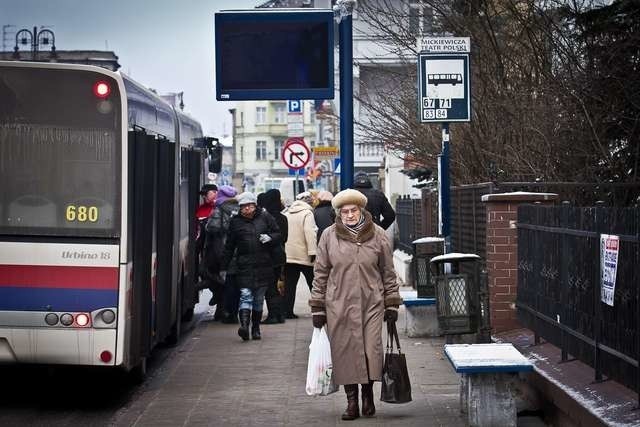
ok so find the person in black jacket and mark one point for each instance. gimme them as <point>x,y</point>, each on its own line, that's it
<point>252,237</point>
<point>272,203</point>
<point>377,203</point>
<point>324,213</point>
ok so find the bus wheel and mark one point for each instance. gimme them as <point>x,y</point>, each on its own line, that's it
<point>188,315</point>
<point>139,372</point>
<point>176,329</point>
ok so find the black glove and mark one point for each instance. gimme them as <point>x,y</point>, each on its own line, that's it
<point>390,315</point>
<point>319,320</point>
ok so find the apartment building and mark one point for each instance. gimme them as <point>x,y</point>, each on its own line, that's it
<point>260,131</point>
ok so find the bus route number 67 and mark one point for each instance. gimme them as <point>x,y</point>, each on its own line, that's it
<point>81,213</point>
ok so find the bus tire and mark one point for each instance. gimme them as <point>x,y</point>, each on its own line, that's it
<point>139,372</point>
<point>176,328</point>
<point>188,315</point>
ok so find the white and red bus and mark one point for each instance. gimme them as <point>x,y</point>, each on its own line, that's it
<point>99,183</point>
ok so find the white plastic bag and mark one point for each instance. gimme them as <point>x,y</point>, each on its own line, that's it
<point>319,369</point>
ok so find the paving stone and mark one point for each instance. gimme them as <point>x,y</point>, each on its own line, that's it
<point>216,379</point>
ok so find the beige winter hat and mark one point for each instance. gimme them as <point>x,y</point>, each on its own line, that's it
<point>349,197</point>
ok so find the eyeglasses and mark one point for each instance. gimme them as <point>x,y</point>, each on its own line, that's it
<point>345,212</point>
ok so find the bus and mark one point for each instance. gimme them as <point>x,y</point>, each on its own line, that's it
<point>100,181</point>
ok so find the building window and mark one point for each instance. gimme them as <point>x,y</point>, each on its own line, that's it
<point>241,119</point>
<point>280,114</point>
<point>278,145</point>
<point>261,150</point>
<point>261,115</point>
<point>242,153</point>
<point>420,19</point>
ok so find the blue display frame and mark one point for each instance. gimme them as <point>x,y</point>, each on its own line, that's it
<point>224,19</point>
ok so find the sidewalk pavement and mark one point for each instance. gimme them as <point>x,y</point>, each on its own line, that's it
<point>216,379</point>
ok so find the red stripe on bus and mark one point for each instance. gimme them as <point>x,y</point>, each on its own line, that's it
<point>45,276</point>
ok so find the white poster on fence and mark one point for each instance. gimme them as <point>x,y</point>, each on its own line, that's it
<point>609,247</point>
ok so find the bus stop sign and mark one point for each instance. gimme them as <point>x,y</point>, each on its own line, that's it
<point>443,88</point>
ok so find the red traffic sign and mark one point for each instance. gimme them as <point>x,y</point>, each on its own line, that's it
<point>295,154</point>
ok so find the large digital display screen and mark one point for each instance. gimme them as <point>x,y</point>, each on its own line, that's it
<point>266,54</point>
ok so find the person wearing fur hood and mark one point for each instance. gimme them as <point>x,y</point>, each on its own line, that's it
<point>354,290</point>
<point>300,248</point>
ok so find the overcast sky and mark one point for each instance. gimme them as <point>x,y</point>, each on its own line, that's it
<point>163,44</point>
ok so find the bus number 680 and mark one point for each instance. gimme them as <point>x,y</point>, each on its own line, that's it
<point>82,213</point>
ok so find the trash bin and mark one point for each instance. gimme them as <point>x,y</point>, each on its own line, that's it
<point>424,249</point>
<point>457,301</point>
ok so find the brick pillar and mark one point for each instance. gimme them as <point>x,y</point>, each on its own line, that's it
<point>502,253</point>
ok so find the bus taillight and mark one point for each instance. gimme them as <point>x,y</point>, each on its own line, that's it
<point>82,320</point>
<point>106,356</point>
<point>101,89</point>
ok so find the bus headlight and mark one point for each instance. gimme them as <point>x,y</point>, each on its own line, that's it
<point>51,319</point>
<point>82,320</point>
<point>108,316</point>
<point>66,319</point>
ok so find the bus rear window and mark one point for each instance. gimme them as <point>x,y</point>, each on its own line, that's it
<point>60,138</point>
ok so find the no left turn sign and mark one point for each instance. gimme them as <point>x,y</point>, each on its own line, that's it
<point>296,154</point>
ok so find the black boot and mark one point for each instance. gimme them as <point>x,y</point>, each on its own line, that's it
<point>270,310</point>
<point>275,312</point>
<point>368,407</point>
<point>255,324</point>
<point>230,318</point>
<point>278,303</point>
<point>353,411</point>
<point>243,330</point>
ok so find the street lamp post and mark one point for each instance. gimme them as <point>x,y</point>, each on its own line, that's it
<point>36,39</point>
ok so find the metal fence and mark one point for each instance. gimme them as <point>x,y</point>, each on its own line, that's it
<point>409,220</point>
<point>469,214</point>
<point>559,286</point>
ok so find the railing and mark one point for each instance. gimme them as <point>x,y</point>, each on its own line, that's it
<point>409,220</point>
<point>559,286</point>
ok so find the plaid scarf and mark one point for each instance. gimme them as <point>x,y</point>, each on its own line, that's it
<point>355,229</point>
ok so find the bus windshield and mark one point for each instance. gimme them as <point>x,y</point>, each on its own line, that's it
<point>60,137</point>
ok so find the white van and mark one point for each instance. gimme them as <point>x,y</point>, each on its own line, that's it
<point>287,187</point>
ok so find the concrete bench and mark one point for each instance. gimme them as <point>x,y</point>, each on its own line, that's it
<point>487,386</point>
<point>421,318</point>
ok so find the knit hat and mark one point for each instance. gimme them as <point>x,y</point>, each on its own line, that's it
<point>225,193</point>
<point>208,187</point>
<point>246,198</point>
<point>361,180</point>
<point>271,200</point>
<point>349,197</point>
<point>325,196</point>
<point>305,197</point>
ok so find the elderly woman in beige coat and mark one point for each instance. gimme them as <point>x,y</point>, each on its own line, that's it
<point>354,290</point>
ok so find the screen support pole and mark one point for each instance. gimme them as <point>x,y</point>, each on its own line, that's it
<point>346,95</point>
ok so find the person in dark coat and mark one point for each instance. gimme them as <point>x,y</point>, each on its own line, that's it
<point>324,213</point>
<point>203,211</point>
<point>226,296</point>
<point>253,234</point>
<point>272,203</point>
<point>377,203</point>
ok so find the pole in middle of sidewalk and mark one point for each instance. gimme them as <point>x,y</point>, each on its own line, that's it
<point>444,190</point>
<point>343,10</point>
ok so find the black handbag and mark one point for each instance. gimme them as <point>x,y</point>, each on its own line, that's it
<point>396,387</point>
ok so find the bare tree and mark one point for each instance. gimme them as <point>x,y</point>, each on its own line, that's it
<point>555,88</point>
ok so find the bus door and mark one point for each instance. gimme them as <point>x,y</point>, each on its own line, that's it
<point>194,168</point>
<point>165,235</point>
<point>143,150</point>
